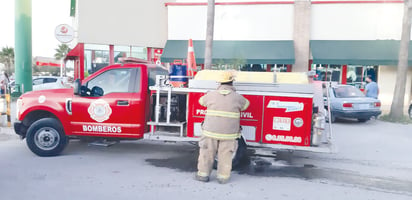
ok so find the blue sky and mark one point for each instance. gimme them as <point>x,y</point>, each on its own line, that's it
<point>46,15</point>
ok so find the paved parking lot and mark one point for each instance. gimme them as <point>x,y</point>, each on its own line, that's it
<point>373,162</point>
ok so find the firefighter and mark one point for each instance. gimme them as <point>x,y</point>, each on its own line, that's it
<point>220,129</point>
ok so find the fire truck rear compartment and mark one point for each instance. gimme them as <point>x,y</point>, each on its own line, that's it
<point>281,115</point>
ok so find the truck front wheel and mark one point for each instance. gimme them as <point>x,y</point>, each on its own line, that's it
<point>46,137</point>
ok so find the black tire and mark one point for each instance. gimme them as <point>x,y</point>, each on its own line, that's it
<point>239,156</point>
<point>46,137</point>
<point>332,118</point>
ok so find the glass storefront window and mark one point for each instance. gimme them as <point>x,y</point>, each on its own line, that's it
<point>96,57</point>
<point>264,67</point>
<point>253,68</point>
<point>139,52</point>
<point>356,74</point>
<point>327,72</point>
<point>129,51</point>
<point>121,52</point>
<point>279,68</point>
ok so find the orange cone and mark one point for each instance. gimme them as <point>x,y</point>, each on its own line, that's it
<point>191,61</point>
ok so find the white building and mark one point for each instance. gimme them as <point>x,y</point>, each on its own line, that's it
<point>341,40</point>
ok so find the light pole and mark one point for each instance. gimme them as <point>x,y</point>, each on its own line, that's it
<point>23,45</point>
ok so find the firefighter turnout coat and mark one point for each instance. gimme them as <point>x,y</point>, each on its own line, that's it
<point>222,120</point>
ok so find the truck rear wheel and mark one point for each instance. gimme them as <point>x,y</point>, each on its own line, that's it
<point>46,137</point>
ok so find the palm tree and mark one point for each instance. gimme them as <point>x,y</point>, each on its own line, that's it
<point>397,106</point>
<point>209,33</point>
<point>7,58</point>
<point>61,51</point>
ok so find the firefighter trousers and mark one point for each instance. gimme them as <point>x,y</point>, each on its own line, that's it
<point>208,148</point>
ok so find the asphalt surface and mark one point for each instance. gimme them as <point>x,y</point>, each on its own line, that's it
<point>373,162</point>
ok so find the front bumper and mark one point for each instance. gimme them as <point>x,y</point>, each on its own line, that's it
<point>356,114</point>
<point>20,129</point>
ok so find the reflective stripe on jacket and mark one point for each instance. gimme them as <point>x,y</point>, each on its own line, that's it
<point>222,120</point>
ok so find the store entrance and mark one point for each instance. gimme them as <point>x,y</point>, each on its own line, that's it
<point>356,75</point>
<point>345,74</point>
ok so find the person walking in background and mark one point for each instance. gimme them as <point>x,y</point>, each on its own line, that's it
<point>4,82</point>
<point>371,88</point>
<point>220,129</point>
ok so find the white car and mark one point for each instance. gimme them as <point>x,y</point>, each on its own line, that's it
<point>44,83</point>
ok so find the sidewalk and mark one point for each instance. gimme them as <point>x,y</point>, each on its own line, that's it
<point>7,133</point>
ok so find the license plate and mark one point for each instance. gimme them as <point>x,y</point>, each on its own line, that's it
<point>363,106</point>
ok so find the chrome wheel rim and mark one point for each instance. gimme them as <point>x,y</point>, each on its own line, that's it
<point>46,138</point>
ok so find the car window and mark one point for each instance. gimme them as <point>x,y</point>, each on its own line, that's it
<point>347,92</point>
<point>37,81</point>
<point>49,80</point>
<point>116,80</point>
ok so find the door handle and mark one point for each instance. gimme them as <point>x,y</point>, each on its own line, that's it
<point>122,102</point>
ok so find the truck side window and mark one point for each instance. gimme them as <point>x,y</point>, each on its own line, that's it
<point>112,81</point>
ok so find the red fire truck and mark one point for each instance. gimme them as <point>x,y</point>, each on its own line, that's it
<point>127,101</point>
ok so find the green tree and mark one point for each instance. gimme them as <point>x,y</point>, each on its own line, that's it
<point>61,51</point>
<point>7,58</point>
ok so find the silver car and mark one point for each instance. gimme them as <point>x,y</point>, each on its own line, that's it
<point>44,83</point>
<point>347,101</point>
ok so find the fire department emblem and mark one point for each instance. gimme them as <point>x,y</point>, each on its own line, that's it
<point>99,110</point>
<point>298,122</point>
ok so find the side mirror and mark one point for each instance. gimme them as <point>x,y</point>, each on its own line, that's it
<point>76,87</point>
<point>96,91</point>
<point>84,91</point>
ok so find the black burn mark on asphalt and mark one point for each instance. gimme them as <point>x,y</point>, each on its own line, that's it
<point>255,166</point>
<point>186,161</point>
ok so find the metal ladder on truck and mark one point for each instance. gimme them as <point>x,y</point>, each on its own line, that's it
<point>162,87</point>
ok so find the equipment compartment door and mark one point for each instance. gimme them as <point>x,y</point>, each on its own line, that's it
<point>250,119</point>
<point>287,120</point>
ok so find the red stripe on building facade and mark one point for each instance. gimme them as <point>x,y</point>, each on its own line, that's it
<point>272,2</point>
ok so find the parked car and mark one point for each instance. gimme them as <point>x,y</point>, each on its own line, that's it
<point>347,101</point>
<point>44,83</point>
<point>410,110</point>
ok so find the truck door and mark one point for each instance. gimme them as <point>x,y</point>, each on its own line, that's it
<point>111,104</point>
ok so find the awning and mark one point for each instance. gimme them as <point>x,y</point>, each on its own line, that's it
<point>356,52</point>
<point>77,51</point>
<point>231,52</point>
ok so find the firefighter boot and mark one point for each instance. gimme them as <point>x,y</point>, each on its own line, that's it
<point>222,180</point>
<point>201,178</point>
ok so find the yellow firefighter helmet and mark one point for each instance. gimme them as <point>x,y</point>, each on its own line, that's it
<point>226,77</point>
